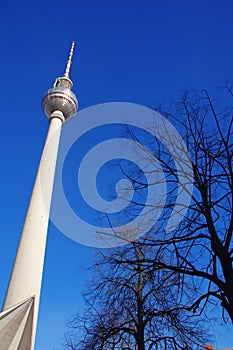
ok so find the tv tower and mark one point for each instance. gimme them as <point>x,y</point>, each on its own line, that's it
<point>18,318</point>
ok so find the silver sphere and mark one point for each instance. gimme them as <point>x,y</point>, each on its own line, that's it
<point>60,98</point>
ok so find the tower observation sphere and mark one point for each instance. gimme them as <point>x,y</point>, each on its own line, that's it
<point>60,98</point>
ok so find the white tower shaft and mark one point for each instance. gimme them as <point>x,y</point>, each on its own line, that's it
<point>26,275</point>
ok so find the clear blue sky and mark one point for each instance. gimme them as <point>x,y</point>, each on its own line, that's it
<point>132,51</point>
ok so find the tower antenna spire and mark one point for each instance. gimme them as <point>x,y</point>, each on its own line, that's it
<point>67,71</point>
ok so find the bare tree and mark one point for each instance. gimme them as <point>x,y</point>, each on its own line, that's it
<point>143,294</point>
<point>200,250</point>
<point>131,309</point>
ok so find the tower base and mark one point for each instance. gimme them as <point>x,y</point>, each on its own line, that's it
<point>16,326</point>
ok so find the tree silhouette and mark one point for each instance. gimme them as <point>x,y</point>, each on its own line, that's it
<point>131,309</point>
<point>200,249</point>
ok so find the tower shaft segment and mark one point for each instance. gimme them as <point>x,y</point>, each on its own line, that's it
<point>18,320</point>
<point>26,275</point>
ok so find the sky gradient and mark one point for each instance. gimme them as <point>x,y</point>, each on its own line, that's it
<point>127,51</point>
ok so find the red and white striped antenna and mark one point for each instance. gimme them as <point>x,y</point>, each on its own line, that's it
<point>67,71</point>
